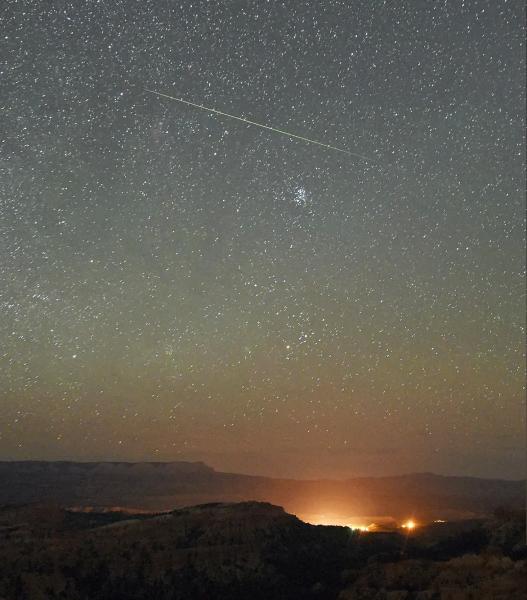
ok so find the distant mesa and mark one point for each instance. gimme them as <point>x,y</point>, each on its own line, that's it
<point>159,486</point>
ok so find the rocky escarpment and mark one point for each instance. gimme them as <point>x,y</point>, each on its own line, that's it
<point>248,550</point>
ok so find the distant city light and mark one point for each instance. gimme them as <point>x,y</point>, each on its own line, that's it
<point>360,527</point>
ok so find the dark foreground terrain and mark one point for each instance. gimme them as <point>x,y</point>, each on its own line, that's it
<point>254,551</point>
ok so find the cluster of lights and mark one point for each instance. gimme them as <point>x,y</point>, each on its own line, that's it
<point>360,527</point>
<point>409,525</point>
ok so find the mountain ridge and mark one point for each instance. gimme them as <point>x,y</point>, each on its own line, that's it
<point>204,465</point>
<point>161,486</point>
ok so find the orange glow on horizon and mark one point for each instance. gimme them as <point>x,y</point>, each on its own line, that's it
<point>360,527</point>
<point>410,524</point>
<point>361,524</point>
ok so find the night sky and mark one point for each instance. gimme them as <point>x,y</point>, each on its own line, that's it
<point>176,285</point>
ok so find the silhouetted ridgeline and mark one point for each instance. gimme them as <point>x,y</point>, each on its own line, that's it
<point>163,486</point>
<point>251,551</point>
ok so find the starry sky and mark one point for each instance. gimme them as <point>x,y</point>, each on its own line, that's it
<point>176,285</point>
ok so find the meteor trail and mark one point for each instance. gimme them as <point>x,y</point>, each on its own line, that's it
<point>287,133</point>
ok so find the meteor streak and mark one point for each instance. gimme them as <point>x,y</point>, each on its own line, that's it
<point>287,133</point>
